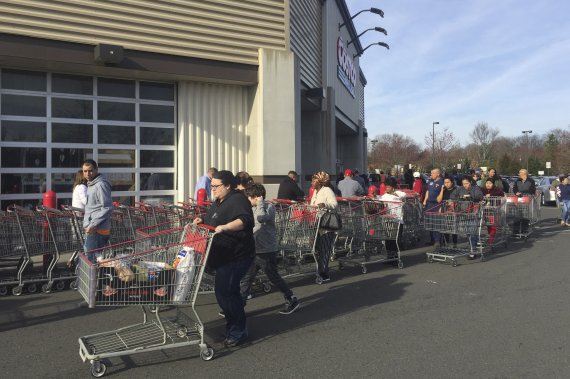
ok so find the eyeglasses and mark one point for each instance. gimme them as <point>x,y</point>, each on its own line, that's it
<point>215,186</point>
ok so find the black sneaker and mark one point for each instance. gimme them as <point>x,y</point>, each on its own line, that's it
<point>232,342</point>
<point>290,306</point>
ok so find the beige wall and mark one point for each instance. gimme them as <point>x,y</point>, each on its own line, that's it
<point>224,30</point>
<point>272,127</point>
<point>212,131</point>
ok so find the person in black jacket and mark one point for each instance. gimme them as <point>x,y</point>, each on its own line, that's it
<point>289,189</point>
<point>232,251</point>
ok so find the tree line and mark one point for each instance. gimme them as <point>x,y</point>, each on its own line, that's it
<point>487,148</point>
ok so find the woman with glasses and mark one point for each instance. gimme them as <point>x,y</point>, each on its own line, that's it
<point>232,251</point>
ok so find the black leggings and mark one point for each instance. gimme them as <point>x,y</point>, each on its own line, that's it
<point>324,249</point>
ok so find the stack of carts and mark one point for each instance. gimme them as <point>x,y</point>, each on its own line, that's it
<point>160,269</point>
<point>460,218</point>
<point>374,235</point>
<point>523,213</point>
<point>297,230</point>
<point>45,234</point>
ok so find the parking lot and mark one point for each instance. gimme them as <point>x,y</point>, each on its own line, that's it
<point>503,318</point>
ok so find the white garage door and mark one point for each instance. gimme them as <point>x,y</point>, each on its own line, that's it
<point>50,123</point>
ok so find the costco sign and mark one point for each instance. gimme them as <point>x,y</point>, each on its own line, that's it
<point>345,69</point>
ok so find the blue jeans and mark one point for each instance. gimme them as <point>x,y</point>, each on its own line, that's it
<point>227,289</point>
<point>565,210</point>
<point>92,242</point>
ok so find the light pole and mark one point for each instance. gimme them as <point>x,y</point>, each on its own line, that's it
<point>433,143</point>
<point>527,132</point>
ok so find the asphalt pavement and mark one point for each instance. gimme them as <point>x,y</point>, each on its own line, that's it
<point>507,317</point>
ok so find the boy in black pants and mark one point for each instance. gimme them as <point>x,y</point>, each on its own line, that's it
<point>265,234</point>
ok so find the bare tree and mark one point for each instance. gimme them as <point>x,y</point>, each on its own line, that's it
<point>392,149</point>
<point>443,141</point>
<point>484,137</point>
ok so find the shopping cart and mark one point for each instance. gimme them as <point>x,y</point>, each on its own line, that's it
<point>12,252</point>
<point>160,269</point>
<point>462,218</point>
<point>523,214</point>
<point>377,236</point>
<point>297,243</point>
<point>495,229</point>
<point>349,239</point>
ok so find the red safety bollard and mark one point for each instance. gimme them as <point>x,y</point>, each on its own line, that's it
<point>201,197</point>
<point>50,199</point>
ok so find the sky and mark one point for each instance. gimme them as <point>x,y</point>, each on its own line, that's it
<point>460,62</point>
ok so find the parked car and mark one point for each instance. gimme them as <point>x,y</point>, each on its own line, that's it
<point>547,193</point>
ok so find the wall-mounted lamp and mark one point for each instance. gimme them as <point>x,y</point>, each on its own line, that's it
<point>371,10</point>
<point>108,54</point>
<point>378,29</point>
<point>372,44</point>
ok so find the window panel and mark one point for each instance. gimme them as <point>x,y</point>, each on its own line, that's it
<point>21,105</point>
<point>72,133</point>
<point>69,157</point>
<point>116,87</point>
<point>156,91</point>
<point>71,108</point>
<point>23,157</point>
<point>155,182</point>
<point>157,158</point>
<point>111,110</point>
<point>23,183</point>
<point>121,181</point>
<point>124,135</point>
<point>81,85</point>
<point>62,182</point>
<point>24,80</point>
<point>116,158</point>
<point>23,131</point>
<point>157,199</point>
<point>157,136</point>
<point>157,113</point>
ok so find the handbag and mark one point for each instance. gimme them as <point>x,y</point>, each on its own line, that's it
<point>330,220</point>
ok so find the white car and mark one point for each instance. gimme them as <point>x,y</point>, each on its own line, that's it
<point>547,193</point>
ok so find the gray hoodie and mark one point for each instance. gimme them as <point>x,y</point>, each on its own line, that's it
<point>264,230</point>
<point>99,205</point>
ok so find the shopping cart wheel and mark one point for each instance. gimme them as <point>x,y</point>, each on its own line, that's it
<point>340,266</point>
<point>17,291</point>
<point>430,259</point>
<point>182,332</point>
<point>453,263</point>
<point>73,285</point>
<point>333,258</point>
<point>207,354</point>
<point>400,264</point>
<point>98,369</point>
<point>46,288</point>
<point>266,287</point>
<point>60,285</point>
<point>32,288</point>
<point>319,280</point>
<point>3,291</point>
<point>363,269</point>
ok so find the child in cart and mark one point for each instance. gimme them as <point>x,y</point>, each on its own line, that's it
<point>265,234</point>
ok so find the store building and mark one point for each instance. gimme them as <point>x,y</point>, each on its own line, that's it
<point>157,92</point>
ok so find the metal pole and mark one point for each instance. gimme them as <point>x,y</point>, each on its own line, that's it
<point>527,132</point>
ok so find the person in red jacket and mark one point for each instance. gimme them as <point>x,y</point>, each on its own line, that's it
<point>418,186</point>
<point>490,190</point>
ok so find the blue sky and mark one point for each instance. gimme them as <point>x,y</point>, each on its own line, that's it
<point>460,62</point>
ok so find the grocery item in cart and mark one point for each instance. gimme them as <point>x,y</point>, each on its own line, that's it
<point>185,265</point>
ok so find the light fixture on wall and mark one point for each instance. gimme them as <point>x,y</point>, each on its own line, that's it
<point>372,44</point>
<point>371,10</point>
<point>378,29</point>
<point>108,54</point>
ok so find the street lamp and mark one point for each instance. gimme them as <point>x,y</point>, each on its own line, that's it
<point>378,29</point>
<point>433,143</point>
<point>527,132</point>
<point>377,11</point>
<point>372,44</point>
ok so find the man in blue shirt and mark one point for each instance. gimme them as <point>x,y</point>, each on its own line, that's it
<point>430,201</point>
<point>204,182</point>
